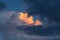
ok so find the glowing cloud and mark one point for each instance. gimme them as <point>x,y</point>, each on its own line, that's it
<point>28,20</point>
<point>37,22</point>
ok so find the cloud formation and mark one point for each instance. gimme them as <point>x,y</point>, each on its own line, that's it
<point>8,23</point>
<point>48,8</point>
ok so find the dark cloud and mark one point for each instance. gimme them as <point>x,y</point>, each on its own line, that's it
<point>2,5</point>
<point>9,24</point>
<point>48,8</point>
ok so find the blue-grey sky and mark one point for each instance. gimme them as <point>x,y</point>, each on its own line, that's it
<point>15,5</point>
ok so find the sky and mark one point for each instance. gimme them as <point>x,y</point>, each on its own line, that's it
<point>8,25</point>
<point>15,5</point>
<point>45,8</point>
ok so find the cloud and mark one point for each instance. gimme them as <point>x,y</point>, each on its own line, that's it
<point>8,23</point>
<point>2,5</point>
<point>45,8</point>
<point>22,36</point>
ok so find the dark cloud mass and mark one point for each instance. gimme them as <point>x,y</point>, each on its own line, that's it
<point>2,5</point>
<point>48,8</point>
<point>9,24</point>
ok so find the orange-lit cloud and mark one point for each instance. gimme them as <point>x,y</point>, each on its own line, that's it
<point>37,22</point>
<point>28,20</point>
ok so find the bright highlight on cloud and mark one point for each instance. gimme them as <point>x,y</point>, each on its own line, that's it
<point>25,18</point>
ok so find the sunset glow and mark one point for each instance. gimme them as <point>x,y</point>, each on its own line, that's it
<point>28,20</point>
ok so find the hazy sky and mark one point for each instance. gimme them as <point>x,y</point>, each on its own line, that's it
<point>15,5</point>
